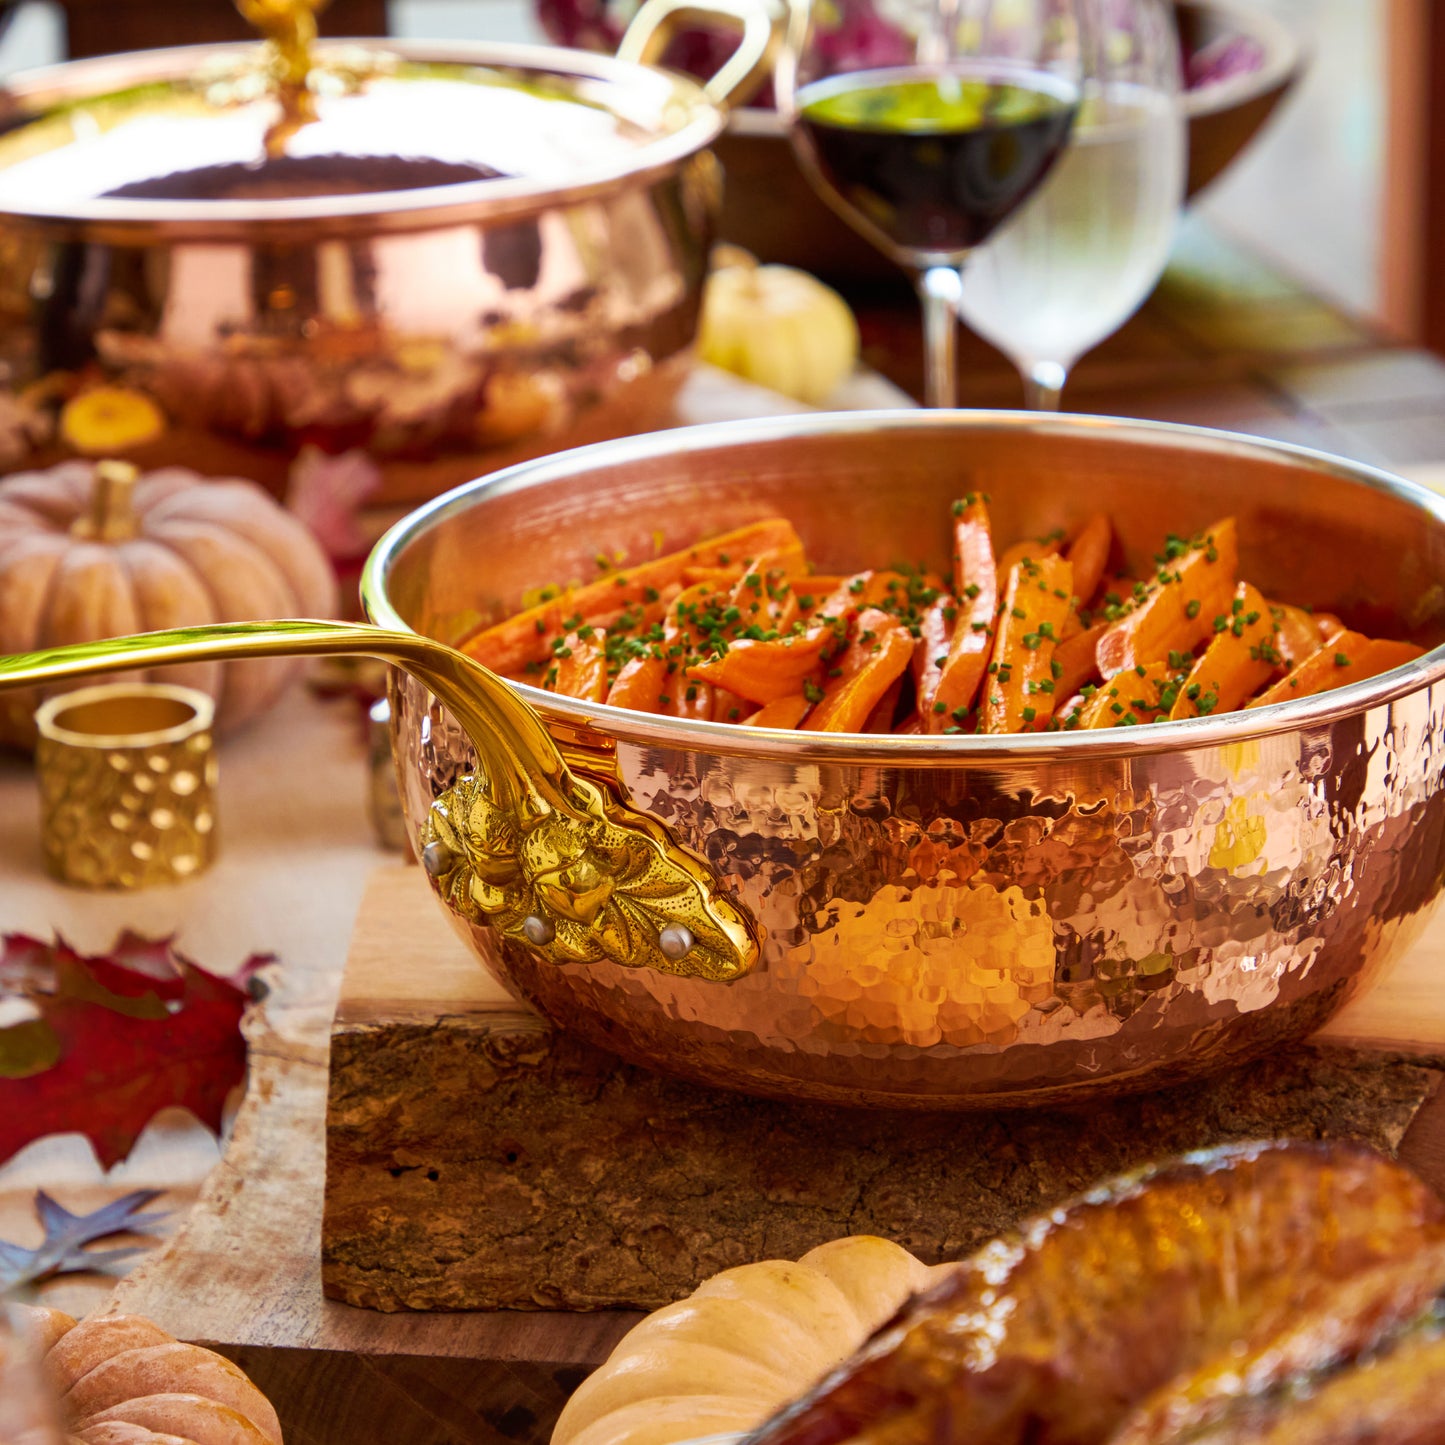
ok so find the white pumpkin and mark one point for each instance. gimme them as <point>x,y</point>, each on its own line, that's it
<point>742,1344</point>
<point>778,327</point>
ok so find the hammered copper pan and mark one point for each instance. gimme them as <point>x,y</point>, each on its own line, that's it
<point>962,921</point>
<point>929,922</point>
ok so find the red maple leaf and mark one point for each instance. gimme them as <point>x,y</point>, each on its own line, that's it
<point>99,1044</point>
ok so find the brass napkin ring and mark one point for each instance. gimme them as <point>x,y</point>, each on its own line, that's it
<point>127,784</point>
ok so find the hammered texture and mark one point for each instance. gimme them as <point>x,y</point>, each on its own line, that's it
<point>972,935</point>
<point>959,924</point>
<point>127,817</point>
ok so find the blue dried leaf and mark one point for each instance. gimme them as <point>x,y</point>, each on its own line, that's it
<point>63,1251</point>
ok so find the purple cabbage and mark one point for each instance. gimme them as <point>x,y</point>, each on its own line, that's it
<point>1223,59</point>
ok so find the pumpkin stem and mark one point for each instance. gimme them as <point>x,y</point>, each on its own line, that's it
<point>112,512</point>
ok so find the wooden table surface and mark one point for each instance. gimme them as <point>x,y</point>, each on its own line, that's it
<point>1225,341</point>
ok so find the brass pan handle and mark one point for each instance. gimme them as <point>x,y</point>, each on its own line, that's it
<point>551,860</point>
<point>759,21</point>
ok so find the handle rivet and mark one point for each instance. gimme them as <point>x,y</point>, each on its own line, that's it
<point>437,858</point>
<point>538,930</point>
<point>675,941</point>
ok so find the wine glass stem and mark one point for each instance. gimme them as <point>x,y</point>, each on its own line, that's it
<point>1043,385</point>
<point>939,289</point>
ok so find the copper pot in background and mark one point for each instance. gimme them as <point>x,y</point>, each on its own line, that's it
<point>443,327</point>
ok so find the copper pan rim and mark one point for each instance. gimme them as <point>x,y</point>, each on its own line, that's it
<point>922,751</point>
<point>698,123</point>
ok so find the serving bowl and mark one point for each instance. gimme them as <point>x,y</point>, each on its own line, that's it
<point>949,921</point>
<point>476,252</point>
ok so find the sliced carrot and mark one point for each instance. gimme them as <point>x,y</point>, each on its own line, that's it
<point>690,698</point>
<point>1329,625</point>
<point>1241,657</point>
<point>866,670</point>
<point>729,706</point>
<point>526,636</point>
<point>879,587</point>
<point>782,712</point>
<point>1070,711</point>
<point>1025,551</point>
<point>684,698</point>
<point>1345,658</point>
<point>764,598</point>
<point>869,588</point>
<point>648,682</point>
<point>719,576</point>
<point>763,671</point>
<point>1140,694</point>
<point>812,591</point>
<point>1177,614</point>
<point>639,684</point>
<point>689,616</point>
<point>1020,692</point>
<point>880,720</point>
<point>579,666</point>
<point>1299,633</point>
<point>975,585</point>
<point>973,551</point>
<point>1076,662</point>
<point>894,591</point>
<point>1115,596</point>
<point>930,650</point>
<point>790,559</point>
<point>1089,554</point>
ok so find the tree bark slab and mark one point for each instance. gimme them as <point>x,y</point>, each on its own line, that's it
<point>476,1159</point>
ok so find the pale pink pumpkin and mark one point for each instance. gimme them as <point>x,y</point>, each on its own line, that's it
<point>89,551</point>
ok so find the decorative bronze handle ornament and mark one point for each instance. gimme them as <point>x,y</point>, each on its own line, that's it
<point>553,861</point>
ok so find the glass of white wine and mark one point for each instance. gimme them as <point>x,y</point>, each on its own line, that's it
<point>1079,257</point>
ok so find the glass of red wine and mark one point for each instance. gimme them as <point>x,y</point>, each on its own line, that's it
<point>925,124</point>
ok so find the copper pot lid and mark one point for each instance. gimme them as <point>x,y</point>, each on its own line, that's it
<point>405,135</point>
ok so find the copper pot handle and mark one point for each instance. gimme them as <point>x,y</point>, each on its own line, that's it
<point>759,21</point>
<point>555,862</point>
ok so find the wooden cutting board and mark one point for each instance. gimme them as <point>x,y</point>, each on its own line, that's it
<point>244,1272</point>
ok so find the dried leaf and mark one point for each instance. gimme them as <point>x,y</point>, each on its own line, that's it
<point>100,1044</point>
<point>63,1251</point>
<point>328,492</point>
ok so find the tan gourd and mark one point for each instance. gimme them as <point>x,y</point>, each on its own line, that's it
<point>91,551</point>
<point>779,327</point>
<point>123,1380</point>
<point>743,1343</point>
